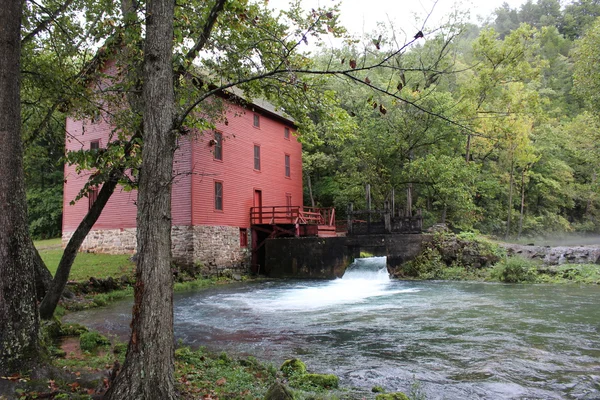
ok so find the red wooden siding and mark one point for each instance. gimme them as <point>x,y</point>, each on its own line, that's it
<point>196,170</point>
<point>237,173</point>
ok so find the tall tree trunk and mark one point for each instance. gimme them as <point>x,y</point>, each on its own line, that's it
<point>588,206</point>
<point>510,196</point>
<point>54,292</point>
<point>148,371</point>
<point>468,148</point>
<point>19,342</point>
<point>409,200</point>
<point>310,192</point>
<point>522,203</point>
<point>43,277</point>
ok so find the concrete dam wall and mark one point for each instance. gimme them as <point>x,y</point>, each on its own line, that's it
<point>327,258</point>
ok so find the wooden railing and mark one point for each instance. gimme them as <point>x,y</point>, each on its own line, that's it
<point>292,215</point>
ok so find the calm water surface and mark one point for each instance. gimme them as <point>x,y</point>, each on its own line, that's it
<point>459,340</point>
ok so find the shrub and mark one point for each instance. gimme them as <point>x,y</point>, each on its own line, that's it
<point>427,265</point>
<point>515,270</point>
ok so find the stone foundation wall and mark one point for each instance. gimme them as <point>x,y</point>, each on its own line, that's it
<point>108,241</point>
<point>182,244</point>
<point>216,248</point>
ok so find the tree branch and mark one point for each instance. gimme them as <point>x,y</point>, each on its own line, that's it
<point>44,23</point>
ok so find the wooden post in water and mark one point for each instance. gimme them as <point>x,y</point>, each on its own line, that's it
<point>387,220</point>
<point>349,213</point>
<point>393,195</point>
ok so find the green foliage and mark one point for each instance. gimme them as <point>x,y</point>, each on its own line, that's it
<point>427,265</point>
<point>200,372</point>
<point>570,273</point>
<point>90,341</point>
<point>586,76</point>
<point>120,348</point>
<point>515,270</point>
<point>44,207</point>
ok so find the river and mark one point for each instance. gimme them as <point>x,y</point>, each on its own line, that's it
<point>458,340</point>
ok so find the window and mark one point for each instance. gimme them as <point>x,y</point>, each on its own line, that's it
<point>287,166</point>
<point>95,145</point>
<point>286,133</point>
<point>92,196</point>
<point>256,121</point>
<point>243,237</point>
<point>257,157</point>
<point>219,196</point>
<point>218,152</point>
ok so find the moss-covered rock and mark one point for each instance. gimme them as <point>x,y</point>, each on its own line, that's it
<point>52,329</point>
<point>90,341</point>
<point>73,330</point>
<point>278,391</point>
<point>465,250</point>
<point>293,366</point>
<point>324,381</point>
<point>377,389</point>
<point>392,396</point>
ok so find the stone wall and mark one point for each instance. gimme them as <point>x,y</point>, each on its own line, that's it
<point>108,241</point>
<point>182,244</point>
<point>216,248</point>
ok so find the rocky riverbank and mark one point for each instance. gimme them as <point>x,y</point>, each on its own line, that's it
<point>558,255</point>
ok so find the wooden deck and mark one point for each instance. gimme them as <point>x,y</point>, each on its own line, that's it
<point>294,220</point>
<point>287,221</point>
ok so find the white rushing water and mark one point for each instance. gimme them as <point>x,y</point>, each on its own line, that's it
<point>364,279</point>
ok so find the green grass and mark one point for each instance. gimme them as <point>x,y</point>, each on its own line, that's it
<point>86,265</point>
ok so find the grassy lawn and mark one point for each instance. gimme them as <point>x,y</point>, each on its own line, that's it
<point>86,264</point>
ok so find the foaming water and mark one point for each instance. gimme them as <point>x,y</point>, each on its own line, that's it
<point>368,269</point>
<point>364,279</point>
<point>460,340</point>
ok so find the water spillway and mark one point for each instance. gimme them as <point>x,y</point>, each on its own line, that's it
<point>368,269</point>
<point>459,340</point>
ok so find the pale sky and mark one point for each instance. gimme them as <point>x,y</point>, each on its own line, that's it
<point>361,16</point>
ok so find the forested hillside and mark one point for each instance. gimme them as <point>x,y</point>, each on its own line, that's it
<point>505,138</point>
<point>498,131</point>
